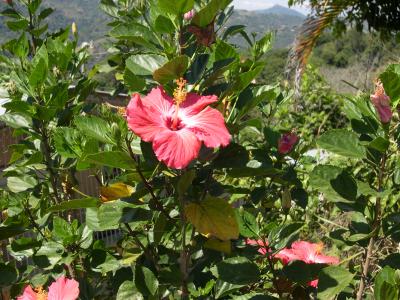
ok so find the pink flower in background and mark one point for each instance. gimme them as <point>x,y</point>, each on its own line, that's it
<point>189,15</point>
<point>177,126</point>
<point>287,142</point>
<point>262,246</point>
<point>310,253</point>
<point>62,289</point>
<point>381,101</point>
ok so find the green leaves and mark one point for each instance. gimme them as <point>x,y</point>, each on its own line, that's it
<point>75,204</point>
<point>238,270</point>
<point>146,281</point>
<point>39,67</point>
<point>173,69</point>
<point>208,13</point>
<point>391,82</point>
<point>342,142</point>
<point>332,280</point>
<point>176,7</point>
<point>387,284</point>
<point>8,274</point>
<point>213,216</point>
<point>144,64</point>
<point>21,183</point>
<point>337,185</point>
<point>115,159</point>
<point>95,127</point>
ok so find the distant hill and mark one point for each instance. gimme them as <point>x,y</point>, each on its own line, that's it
<point>284,25</point>
<point>281,10</point>
<point>92,22</point>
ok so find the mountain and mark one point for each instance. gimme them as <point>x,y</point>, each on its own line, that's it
<point>283,25</point>
<point>92,22</point>
<point>281,10</point>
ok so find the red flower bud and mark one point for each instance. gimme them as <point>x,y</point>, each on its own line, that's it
<point>287,142</point>
<point>381,102</point>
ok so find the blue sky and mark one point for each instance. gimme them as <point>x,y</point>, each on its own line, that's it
<point>261,4</point>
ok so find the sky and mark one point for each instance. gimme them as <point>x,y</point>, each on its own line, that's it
<point>262,4</point>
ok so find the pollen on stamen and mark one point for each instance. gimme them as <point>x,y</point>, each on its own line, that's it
<point>180,92</point>
<point>379,89</point>
<point>41,294</point>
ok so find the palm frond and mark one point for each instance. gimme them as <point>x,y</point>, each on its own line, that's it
<point>321,18</point>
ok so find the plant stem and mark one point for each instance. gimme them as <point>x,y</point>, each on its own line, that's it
<point>48,162</point>
<point>375,229</point>
<point>158,205</point>
<point>184,254</point>
<point>33,222</point>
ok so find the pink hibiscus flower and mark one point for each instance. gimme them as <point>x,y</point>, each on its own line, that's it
<point>62,289</point>
<point>381,102</point>
<point>310,253</point>
<point>262,246</point>
<point>177,126</point>
<point>287,142</point>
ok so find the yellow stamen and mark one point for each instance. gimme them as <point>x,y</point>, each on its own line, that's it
<point>319,248</point>
<point>379,90</point>
<point>180,92</point>
<point>180,95</point>
<point>41,294</point>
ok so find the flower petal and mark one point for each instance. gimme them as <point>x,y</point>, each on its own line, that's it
<point>194,103</point>
<point>176,148</point>
<point>287,255</point>
<point>145,121</point>
<point>209,127</point>
<point>64,289</point>
<point>29,294</point>
<point>324,259</point>
<point>159,100</point>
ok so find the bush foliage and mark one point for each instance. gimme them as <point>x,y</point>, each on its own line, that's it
<point>302,203</point>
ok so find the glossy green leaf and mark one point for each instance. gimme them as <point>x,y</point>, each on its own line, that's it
<point>173,69</point>
<point>176,7</point>
<point>238,270</point>
<point>144,64</point>
<point>127,291</point>
<point>332,280</point>
<point>8,274</point>
<point>342,142</point>
<point>21,183</point>
<point>115,159</point>
<point>75,204</point>
<point>94,127</point>
<point>146,281</point>
<point>391,81</point>
<point>204,17</point>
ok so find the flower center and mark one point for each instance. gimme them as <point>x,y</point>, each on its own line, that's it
<point>180,95</point>
<point>41,294</point>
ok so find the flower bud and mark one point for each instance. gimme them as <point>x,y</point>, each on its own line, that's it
<point>189,15</point>
<point>74,28</point>
<point>286,199</point>
<point>381,102</point>
<point>287,142</point>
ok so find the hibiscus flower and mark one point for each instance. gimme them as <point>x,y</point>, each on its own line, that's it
<point>177,126</point>
<point>381,102</point>
<point>287,142</point>
<point>62,289</point>
<point>310,253</point>
<point>262,245</point>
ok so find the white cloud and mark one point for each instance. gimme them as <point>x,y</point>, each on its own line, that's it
<point>262,4</point>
